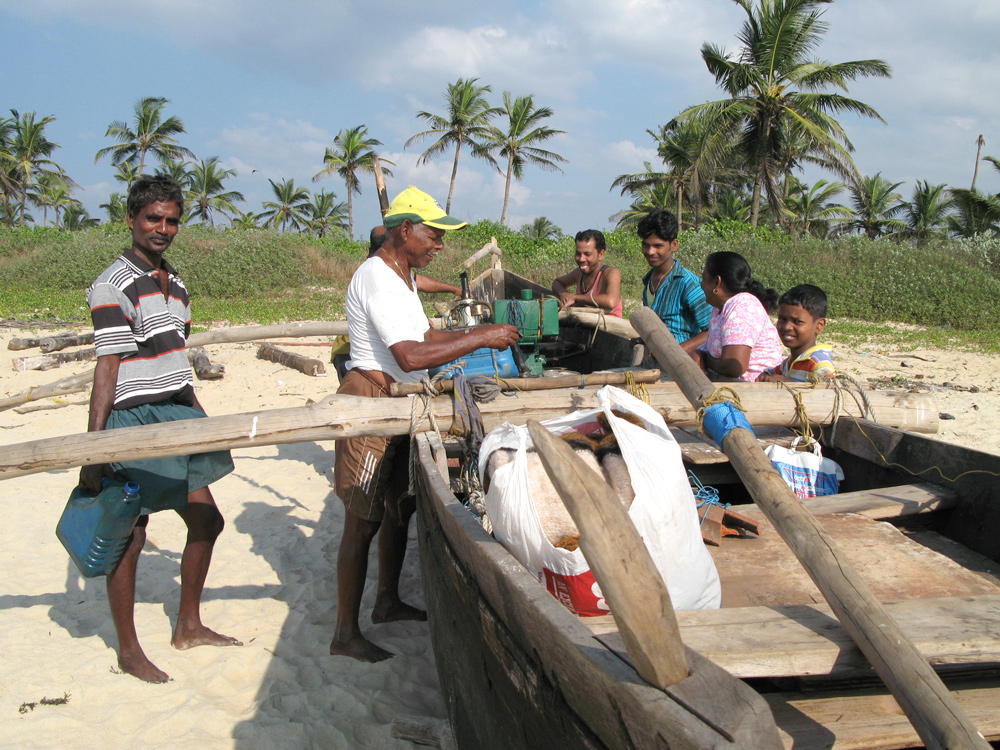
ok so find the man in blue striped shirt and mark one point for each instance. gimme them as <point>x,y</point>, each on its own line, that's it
<point>672,291</point>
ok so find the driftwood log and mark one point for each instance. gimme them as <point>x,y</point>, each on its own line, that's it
<point>306,365</point>
<point>930,707</point>
<point>57,343</point>
<point>338,417</point>
<point>77,383</point>
<point>27,342</point>
<point>203,366</point>
<point>539,384</point>
<point>48,361</point>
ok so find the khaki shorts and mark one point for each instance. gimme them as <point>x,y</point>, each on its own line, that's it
<point>369,472</point>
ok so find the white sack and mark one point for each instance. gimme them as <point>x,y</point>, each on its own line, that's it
<point>663,511</point>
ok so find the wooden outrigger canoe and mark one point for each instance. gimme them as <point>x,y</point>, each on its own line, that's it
<point>918,518</point>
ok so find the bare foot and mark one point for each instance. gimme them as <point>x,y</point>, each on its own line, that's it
<point>393,610</point>
<point>139,666</point>
<point>359,648</point>
<point>200,636</point>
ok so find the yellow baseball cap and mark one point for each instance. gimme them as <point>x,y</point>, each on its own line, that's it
<point>417,206</point>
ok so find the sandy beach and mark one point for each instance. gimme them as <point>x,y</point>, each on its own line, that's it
<point>271,582</point>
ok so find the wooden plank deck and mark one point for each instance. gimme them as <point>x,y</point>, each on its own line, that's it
<point>886,502</point>
<point>871,720</point>
<point>805,640</point>
<point>762,571</point>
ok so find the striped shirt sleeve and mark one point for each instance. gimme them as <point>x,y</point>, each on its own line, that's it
<point>112,314</point>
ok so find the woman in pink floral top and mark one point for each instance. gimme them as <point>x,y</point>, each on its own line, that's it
<point>742,342</point>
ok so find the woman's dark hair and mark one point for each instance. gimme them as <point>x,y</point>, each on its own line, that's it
<point>734,271</point>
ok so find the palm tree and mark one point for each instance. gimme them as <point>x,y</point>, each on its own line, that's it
<point>351,153</point>
<point>245,220</point>
<point>517,145</point>
<point>151,135</point>
<point>775,89</point>
<point>732,205</point>
<point>646,198</point>
<point>926,216</point>
<point>541,229</point>
<point>31,150</point>
<point>810,208</point>
<point>876,206</point>
<point>126,173</point>
<point>53,192</point>
<point>7,182</point>
<point>290,208</point>
<point>177,170</point>
<point>207,193</point>
<point>76,217</point>
<point>116,208</point>
<point>975,213</point>
<point>467,121</point>
<point>325,213</point>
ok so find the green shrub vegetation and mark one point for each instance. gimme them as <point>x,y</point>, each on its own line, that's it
<point>263,276</point>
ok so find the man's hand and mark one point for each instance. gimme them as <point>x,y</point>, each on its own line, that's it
<point>90,476</point>
<point>567,299</point>
<point>499,336</point>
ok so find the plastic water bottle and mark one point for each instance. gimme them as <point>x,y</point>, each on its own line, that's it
<point>94,528</point>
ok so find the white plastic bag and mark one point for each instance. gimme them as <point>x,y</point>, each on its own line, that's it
<point>663,510</point>
<point>806,471</point>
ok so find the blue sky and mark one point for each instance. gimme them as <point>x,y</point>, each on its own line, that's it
<point>266,86</point>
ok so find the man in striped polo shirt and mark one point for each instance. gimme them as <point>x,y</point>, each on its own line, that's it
<point>142,317</point>
<point>672,291</point>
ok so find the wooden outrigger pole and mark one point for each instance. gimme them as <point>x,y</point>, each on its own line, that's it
<point>339,416</point>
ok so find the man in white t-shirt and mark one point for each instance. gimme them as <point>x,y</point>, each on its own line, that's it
<point>391,341</point>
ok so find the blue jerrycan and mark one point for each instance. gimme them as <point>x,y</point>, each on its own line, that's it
<point>94,528</point>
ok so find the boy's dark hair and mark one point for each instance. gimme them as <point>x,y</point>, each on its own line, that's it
<point>152,188</point>
<point>734,271</point>
<point>807,296</point>
<point>660,222</point>
<point>592,234</point>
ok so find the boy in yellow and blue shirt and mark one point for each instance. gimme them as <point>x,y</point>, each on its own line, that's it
<point>801,319</point>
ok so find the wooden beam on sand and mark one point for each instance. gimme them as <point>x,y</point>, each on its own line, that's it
<point>77,383</point>
<point>338,417</point>
<point>306,365</point>
<point>49,361</point>
<point>58,343</point>
<point>930,707</point>
<point>203,366</point>
<point>20,343</point>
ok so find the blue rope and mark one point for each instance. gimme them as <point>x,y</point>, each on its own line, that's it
<point>707,495</point>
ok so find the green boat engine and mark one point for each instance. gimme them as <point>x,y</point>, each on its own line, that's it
<point>536,319</point>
